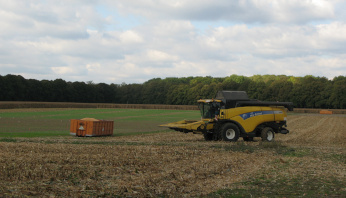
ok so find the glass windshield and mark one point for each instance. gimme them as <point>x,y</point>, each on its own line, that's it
<point>209,110</point>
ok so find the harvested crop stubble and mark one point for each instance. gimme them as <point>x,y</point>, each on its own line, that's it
<point>171,136</point>
<point>175,164</point>
<point>314,129</point>
<point>74,170</point>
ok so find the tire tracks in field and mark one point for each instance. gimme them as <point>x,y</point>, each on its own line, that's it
<point>322,130</point>
<point>335,134</point>
<point>306,129</point>
<point>321,134</point>
<point>293,119</point>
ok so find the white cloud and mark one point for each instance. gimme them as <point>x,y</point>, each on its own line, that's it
<point>249,11</point>
<point>63,70</point>
<point>83,40</point>
<point>92,67</point>
<point>155,55</point>
<point>129,37</point>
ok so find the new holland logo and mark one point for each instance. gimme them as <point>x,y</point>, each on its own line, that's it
<point>254,113</point>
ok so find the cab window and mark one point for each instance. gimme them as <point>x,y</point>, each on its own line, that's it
<point>209,110</point>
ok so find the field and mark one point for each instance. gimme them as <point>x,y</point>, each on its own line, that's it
<point>39,158</point>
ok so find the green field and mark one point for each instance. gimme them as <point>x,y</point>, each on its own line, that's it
<point>56,122</point>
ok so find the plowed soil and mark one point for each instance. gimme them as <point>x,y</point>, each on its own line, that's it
<point>310,159</point>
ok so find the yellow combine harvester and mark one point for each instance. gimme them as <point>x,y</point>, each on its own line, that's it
<point>232,115</point>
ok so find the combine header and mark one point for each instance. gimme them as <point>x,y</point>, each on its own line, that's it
<point>232,115</point>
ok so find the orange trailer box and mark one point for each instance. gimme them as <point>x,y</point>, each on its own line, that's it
<point>326,112</point>
<point>91,127</point>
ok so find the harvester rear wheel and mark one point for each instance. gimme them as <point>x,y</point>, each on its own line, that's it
<point>230,132</point>
<point>267,134</point>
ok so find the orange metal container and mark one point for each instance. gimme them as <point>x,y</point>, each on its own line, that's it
<point>91,127</point>
<point>326,112</point>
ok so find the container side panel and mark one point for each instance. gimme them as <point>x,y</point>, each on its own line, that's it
<point>92,128</point>
<point>73,126</point>
<point>82,128</point>
<point>97,128</point>
<point>89,128</point>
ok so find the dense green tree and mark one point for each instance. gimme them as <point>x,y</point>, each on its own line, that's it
<point>80,92</point>
<point>307,91</point>
<point>256,90</point>
<point>177,94</point>
<point>278,90</point>
<point>34,91</point>
<point>338,95</point>
<point>14,88</point>
<point>3,89</point>
<point>130,94</point>
<point>154,91</point>
<point>229,84</point>
<point>59,90</point>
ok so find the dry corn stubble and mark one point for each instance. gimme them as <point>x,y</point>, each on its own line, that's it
<point>121,170</point>
<point>314,129</point>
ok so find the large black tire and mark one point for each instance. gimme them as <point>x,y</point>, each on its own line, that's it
<point>208,136</point>
<point>248,139</point>
<point>230,132</point>
<point>267,134</point>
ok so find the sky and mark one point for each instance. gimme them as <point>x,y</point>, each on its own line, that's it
<point>133,41</point>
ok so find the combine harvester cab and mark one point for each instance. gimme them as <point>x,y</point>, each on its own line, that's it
<point>233,115</point>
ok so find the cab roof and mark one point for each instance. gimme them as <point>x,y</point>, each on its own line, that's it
<point>208,100</point>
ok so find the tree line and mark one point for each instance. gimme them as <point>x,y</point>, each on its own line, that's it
<point>305,92</point>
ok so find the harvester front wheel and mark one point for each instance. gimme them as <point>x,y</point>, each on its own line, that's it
<point>267,134</point>
<point>230,132</point>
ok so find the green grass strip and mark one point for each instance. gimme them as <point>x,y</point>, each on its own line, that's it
<point>286,187</point>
